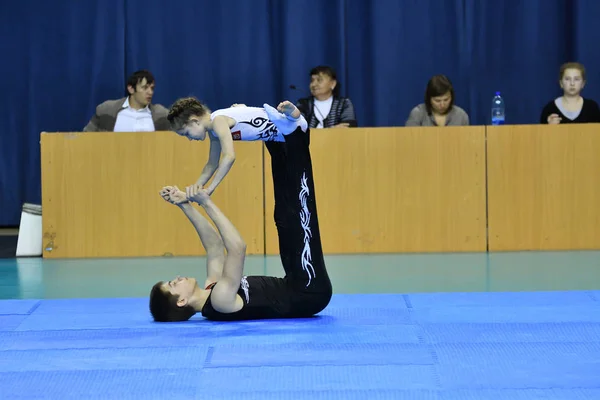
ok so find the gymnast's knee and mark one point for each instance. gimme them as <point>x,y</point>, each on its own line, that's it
<point>318,294</point>
<point>319,302</point>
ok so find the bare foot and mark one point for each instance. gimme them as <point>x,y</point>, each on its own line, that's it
<point>289,109</point>
<point>173,195</point>
<point>286,117</point>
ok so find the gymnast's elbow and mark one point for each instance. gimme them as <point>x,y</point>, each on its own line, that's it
<point>228,158</point>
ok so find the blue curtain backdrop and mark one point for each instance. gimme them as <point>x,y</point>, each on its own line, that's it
<point>62,58</point>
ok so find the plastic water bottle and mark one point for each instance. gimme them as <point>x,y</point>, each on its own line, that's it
<point>498,110</point>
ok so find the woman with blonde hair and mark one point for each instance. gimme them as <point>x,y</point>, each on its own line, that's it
<point>571,107</point>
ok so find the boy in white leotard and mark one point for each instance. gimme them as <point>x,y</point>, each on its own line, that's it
<point>191,118</point>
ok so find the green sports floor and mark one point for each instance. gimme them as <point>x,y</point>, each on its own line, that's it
<point>36,278</point>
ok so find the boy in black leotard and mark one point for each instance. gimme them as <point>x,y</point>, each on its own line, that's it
<point>227,294</point>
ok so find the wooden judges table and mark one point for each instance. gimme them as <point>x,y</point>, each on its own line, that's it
<point>378,190</point>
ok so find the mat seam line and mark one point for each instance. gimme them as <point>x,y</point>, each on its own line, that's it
<point>421,333</point>
<point>36,349</point>
<point>209,355</point>
<point>28,312</point>
<point>421,342</point>
<point>31,310</point>
<point>317,365</point>
<point>34,307</point>
<point>407,301</point>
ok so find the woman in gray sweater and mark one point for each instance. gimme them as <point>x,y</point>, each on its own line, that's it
<point>439,108</point>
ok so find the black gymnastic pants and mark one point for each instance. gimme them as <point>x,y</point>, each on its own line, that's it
<point>297,223</point>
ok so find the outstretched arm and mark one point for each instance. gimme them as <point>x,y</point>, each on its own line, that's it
<point>215,251</point>
<point>226,151</point>
<point>212,163</point>
<point>224,294</point>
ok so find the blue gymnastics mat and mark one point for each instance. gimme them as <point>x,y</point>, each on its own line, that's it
<point>538,345</point>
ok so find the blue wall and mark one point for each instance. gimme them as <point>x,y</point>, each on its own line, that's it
<point>62,58</point>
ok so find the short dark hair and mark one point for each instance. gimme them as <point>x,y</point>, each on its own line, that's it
<point>139,76</point>
<point>438,85</point>
<point>164,308</point>
<point>184,108</point>
<point>330,72</point>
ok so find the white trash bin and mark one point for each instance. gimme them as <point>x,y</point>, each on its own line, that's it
<point>29,242</point>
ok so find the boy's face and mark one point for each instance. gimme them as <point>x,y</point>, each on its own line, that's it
<point>182,287</point>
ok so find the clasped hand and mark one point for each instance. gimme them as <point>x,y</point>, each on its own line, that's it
<point>194,193</point>
<point>197,193</point>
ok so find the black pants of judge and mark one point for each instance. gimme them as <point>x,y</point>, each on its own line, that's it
<point>297,223</point>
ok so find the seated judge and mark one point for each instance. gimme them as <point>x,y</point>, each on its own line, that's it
<point>134,113</point>
<point>325,108</point>
<point>439,108</point>
<point>571,107</point>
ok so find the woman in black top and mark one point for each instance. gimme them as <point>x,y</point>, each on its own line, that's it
<point>571,107</point>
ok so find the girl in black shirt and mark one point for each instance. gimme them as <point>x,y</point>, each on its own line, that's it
<point>571,107</point>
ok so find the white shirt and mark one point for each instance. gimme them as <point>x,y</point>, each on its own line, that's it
<point>321,109</point>
<point>252,123</point>
<point>131,120</point>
